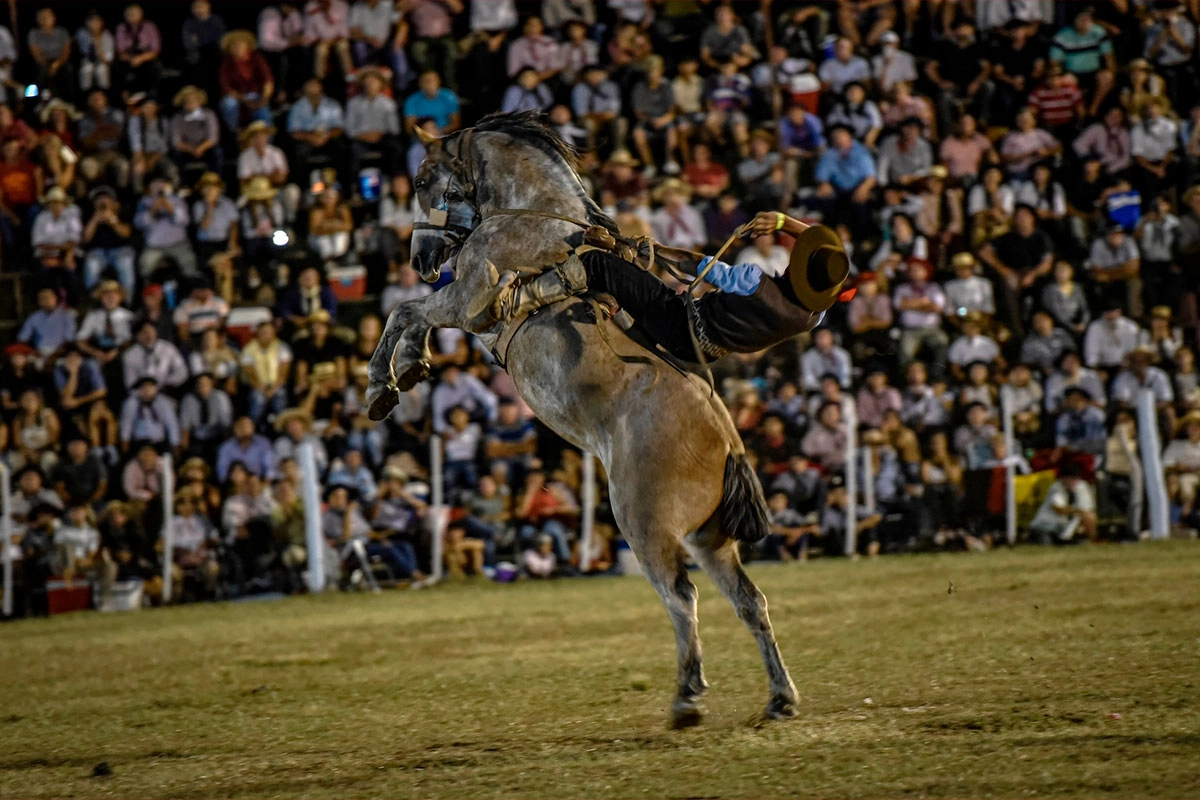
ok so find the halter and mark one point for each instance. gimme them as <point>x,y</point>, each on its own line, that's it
<point>457,219</point>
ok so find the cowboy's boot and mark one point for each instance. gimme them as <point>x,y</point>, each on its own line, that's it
<point>521,298</point>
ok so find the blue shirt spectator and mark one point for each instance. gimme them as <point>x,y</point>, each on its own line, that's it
<point>845,169</point>
<point>442,106</point>
<point>326,115</point>
<point>253,450</point>
<point>800,130</point>
<point>50,327</point>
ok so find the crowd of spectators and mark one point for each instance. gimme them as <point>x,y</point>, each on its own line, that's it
<point>189,195</point>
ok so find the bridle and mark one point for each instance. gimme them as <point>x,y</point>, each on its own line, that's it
<point>455,214</point>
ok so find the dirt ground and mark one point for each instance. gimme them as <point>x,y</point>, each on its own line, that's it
<point>1065,673</point>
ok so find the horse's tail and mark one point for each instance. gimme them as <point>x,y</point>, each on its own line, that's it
<point>743,508</point>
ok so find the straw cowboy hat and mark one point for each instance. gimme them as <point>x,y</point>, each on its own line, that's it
<point>254,128</point>
<point>259,188</point>
<point>183,94</point>
<point>55,105</point>
<point>672,185</point>
<point>324,371</point>
<point>1161,312</point>
<point>818,267</point>
<point>369,72</point>
<point>239,35</point>
<point>1191,193</point>
<point>55,195</point>
<point>210,179</point>
<point>1190,418</point>
<point>289,414</point>
<point>1149,353</point>
<point>621,158</point>
<point>195,462</point>
<point>320,316</point>
<point>108,286</point>
<point>963,259</point>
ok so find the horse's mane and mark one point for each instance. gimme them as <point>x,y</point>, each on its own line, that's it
<point>531,128</point>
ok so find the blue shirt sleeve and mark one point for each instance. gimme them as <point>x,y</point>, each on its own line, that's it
<point>742,279</point>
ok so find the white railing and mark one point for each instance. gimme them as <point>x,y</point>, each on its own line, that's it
<point>1010,465</point>
<point>1152,468</point>
<point>6,532</point>
<point>587,518</point>
<point>314,537</point>
<point>168,531</point>
<point>437,509</point>
<point>850,420</point>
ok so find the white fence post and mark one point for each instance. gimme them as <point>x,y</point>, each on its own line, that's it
<point>314,537</point>
<point>6,533</point>
<point>850,420</point>
<point>587,520</point>
<point>868,476</point>
<point>1010,466</point>
<point>1152,468</point>
<point>437,504</point>
<point>168,534</point>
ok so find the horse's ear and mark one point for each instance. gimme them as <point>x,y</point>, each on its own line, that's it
<point>430,141</point>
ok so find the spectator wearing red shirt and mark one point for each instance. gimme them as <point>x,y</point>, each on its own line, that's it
<point>707,178</point>
<point>1058,102</point>
<point>20,187</point>
<point>245,79</point>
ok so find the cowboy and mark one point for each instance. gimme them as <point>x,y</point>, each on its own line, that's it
<point>751,311</point>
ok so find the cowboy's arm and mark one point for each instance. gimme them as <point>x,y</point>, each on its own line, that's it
<point>742,279</point>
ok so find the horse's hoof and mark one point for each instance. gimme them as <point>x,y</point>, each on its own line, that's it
<point>411,375</point>
<point>381,401</point>
<point>686,713</point>
<point>781,707</point>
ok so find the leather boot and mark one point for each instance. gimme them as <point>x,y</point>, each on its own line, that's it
<point>519,299</point>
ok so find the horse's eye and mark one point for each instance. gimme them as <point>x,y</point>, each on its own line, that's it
<point>420,183</point>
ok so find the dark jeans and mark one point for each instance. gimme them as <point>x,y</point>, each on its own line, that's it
<point>141,78</point>
<point>334,150</point>
<point>399,556</point>
<point>476,528</point>
<point>389,150</point>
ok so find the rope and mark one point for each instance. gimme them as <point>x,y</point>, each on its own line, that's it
<point>694,310</point>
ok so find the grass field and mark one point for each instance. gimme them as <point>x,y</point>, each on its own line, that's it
<point>962,676</point>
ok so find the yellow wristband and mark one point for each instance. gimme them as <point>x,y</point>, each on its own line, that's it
<point>778,220</point>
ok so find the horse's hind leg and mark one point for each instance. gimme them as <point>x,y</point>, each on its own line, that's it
<point>664,566</point>
<point>719,558</point>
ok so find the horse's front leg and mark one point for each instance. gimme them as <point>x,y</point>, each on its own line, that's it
<point>401,359</point>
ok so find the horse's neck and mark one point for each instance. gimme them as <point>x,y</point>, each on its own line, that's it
<point>558,190</point>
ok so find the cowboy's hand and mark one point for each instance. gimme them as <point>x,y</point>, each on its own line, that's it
<point>765,222</point>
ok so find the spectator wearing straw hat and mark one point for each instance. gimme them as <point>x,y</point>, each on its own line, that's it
<point>57,230</point>
<point>108,327</point>
<point>262,215</point>
<point>373,124</point>
<point>195,131</point>
<point>245,80</point>
<point>676,223</point>
<point>215,218</point>
<point>139,44</point>
<point>260,158</point>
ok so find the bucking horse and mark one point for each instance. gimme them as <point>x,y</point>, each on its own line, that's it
<point>505,197</point>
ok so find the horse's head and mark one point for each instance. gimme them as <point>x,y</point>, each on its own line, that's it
<point>446,195</point>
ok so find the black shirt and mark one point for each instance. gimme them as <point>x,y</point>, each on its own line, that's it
<point>749,323</point>
<point>80,480</point>
<point>961,64</point>
<point>1022,253</point>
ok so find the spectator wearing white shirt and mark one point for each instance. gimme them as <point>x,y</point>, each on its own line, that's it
<point>458,388</point>
<point>404,284</point>
<point>1139,374</point>
<point>1109,339</point>
<point>678,224</point>
<point>493,16</point>
<point>373,124</point>
<point>260,157</point>
<point>1072,373</point>
<point>892,65</point>
<point>1153,142</point>
<point>327,28</point>
<point>371,24</point>
<point>824,358</point>
<point>764,253</point>
<point>973,346</point>
<point>57,230</point>
<point>108,327</point>
<point>968,291</point>
<point>1183,457</point>
<point>844,68</point>
<point>152,357</point>
<point>1114,263</point>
